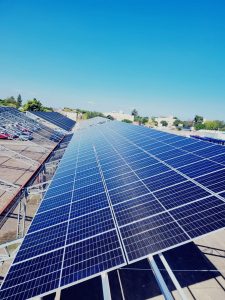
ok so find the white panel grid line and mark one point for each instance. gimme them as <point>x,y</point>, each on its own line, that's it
<point>156,198</point>
<point>177,171</point>
<point>111,208</point>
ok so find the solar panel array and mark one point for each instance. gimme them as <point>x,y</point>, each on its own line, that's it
<point>10,115</point>
<point>120,193</point>
<point>56,119</point>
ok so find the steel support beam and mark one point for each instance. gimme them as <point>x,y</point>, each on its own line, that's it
<point>15,155</point>
<point>21,219</point>
<point>8,186</point>
<point>172,276</point>
<point>9,254</point>
<point>52,162</point>
<point>57,294</point>
<point>38,188</point>
<point>106,287</point>
<point>162,285</point>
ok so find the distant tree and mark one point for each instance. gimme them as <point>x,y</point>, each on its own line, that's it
<point>46,108</point>
<point>177,122</point>
<point>198,122</point>
<point>198,119</point>
<point>90,114</point>
<point>10,101</point>
<point>127,121</point>
<point>134,112</point>
<point>19,101</point>
<point>68,109</point>
<point>33,105</point>
<point>110,117</point>
<point>214,125</point>
<point>187,124</point>
<point>199,126</point>
<point>153,121</point>
<point>164,123</point>
<point>144,120</point>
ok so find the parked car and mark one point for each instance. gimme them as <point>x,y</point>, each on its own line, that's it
<point>3,136</point>
<point>25,130</point>
<point>25,137</point>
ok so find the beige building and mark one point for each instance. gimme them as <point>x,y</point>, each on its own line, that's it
<point>170,120</point>
<point>119,116</point>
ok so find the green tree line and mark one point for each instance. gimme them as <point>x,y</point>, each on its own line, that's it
<point>32,105</point>
<point>198,123</point>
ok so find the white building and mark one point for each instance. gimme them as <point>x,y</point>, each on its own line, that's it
<point>73,115</point>
<point>119,116</point>
<point>170,120</point>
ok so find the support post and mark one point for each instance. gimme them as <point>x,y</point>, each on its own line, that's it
<point>106,287</point>
<point>58,294</point>
<point>21,219</point>
<point>173,278</point>
<point>162,285</point>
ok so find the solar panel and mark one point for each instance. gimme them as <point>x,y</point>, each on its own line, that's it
<point>21,121</point>
<point>56,119</point>
<point>120,193</point>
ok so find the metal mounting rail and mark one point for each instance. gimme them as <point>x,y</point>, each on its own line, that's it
<point>7,118</point>
<point>8,186</point>
<point>29,143</point>
<point>38,188</point>
<point>15,155</point>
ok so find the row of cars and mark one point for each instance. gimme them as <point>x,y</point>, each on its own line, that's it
<point>15,131</point>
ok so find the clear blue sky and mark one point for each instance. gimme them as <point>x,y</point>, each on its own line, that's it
<point>161,57</point>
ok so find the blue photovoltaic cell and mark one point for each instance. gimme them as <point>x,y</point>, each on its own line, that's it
<point>33,277</point>
<point>143,163</point>
<point>61,189</point>
<point>88,205</point>
<point>126,187</point>
<point>152,170</point>
<point>89,225</point>
<point>200,168</point>
<point>128,194</point>
<point>202,216</point>
<point>180,194</point>
<point>121,180</point>
<point>151,235</point>
<point>211,151</point>
<point>139,157</point>
<point>183,160</point>
<point>170,154</point>
<point>113,165</point>
<point>184,142</point>
<point>91,256</point>
<point>214,181</point>
<point>136,212</point>
<point>116,172</point>
<point>153,145</point>
<point>163,180</point>
<point>152,190</point>
<point>171,139</point>
<point>55,201</point>
<point>87,181</point>
<point>56,119</point>
<point>42,241</point>
<point>162,149</point>
<point>88,191</point>
<point>197,146</point>
<point>63,180</point>
<point>50,218</point>
<point>219,159</point>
